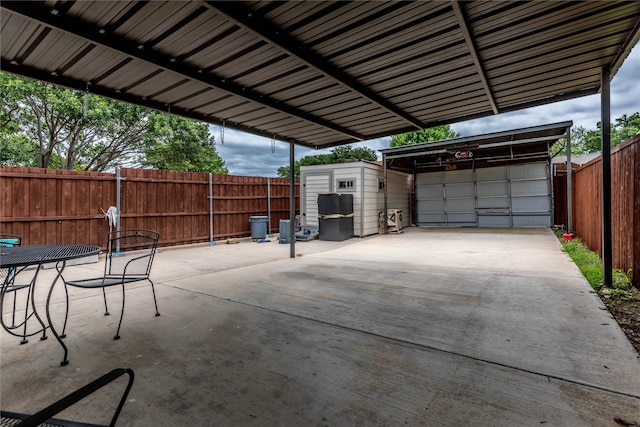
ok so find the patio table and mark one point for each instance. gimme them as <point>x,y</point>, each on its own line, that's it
<point>19,258</point>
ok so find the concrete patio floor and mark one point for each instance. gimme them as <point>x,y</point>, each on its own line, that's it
<point>429,327</point>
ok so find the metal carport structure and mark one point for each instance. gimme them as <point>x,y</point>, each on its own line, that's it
<point>499,179</point>
<point>321,74</point>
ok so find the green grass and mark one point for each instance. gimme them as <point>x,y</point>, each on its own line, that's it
<point>591,267</point>
<point>588,262</point>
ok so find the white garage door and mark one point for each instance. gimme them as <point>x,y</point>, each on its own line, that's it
<point>502,196</point>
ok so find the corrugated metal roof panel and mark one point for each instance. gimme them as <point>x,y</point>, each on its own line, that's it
<point>322,73</point>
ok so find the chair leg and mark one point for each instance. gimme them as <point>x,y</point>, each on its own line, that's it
<point>13,315</point>
<point>154,297</point>
<point>106,309</point>
<point>117,337</point>
<point>66,316</point>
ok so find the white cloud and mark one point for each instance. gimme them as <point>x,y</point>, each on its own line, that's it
<point>250,155</point>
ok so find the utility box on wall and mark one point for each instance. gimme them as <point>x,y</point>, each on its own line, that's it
<point>365,181</point>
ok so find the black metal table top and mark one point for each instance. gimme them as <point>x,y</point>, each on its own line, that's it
<point>19,256</point>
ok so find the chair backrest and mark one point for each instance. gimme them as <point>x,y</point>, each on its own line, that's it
<point>131,252</point>
<point>10,240</point>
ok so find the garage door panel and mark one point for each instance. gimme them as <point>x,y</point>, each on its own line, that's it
<point>465,189</point>
<point>494,220</point>
<point>430,192</point>
<point>434,205</point>
<point>429,178</point>
<point>531,221</point>
<point>528,171</point>
<point>461,205</point>
<point>529,187</point>
<point>492,188</point>
<point>459,176</point>
<point>498,173</point>
<point>532,204</point>
<point>493,202</point>
<point>434,220</point>
<point>461,219</point>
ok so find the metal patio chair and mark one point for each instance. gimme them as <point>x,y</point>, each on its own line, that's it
<point>45,416</point>
<point>8,283</point>
<point>129,258</point>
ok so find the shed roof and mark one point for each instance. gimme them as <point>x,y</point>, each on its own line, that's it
<point>322,73</point>
<point>491,149</point>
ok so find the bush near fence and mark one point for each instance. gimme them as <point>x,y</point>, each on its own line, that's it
<point>625,205</point>
<point>50,206</point>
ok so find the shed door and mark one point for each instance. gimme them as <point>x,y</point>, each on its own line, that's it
<point>314,184</point>
<point>502,196</point>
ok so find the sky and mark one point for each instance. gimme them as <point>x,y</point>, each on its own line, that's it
<point>249,155</point>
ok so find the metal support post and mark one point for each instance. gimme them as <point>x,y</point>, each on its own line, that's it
<point>118,215</point>
<point>269,207</point>
<point>605,110</point>
<point>384,184</point>
<point>292,201</point>
<point>211,242</point>
<point>569,185</point>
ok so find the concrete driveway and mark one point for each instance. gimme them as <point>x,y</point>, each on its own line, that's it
<point>429,327</point>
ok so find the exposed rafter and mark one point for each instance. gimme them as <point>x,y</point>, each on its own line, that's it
<point>123,96</point>
<point>275,36</point>
<point>127,47</point>
<point>473,51</point>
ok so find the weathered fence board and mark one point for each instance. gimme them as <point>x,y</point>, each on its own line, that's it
<point>48,206</point>
<point>625,205</point>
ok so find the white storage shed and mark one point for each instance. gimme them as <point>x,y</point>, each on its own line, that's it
<point>365,180</point>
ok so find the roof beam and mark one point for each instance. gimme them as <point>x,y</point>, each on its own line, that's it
<point>274,35</point>
<point>124,97</point>
<point>133,50</point>
<point>473,51</point>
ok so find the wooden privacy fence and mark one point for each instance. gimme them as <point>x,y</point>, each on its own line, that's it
<point>49,206</point>
<point>625,205</point>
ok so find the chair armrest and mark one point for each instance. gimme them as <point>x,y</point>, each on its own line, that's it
<point>67,401</point>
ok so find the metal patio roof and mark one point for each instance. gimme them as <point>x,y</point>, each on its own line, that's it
<point>492,149</point>
<point>322,73</point>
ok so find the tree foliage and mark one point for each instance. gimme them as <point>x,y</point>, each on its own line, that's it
<point>336,155</point>
<point>589,140</point>
<point>437,133</point>
<point>53,127</point>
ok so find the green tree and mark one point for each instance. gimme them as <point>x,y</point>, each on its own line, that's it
<point>336,155</point>
<point>183,145</point>
<point>53,127</point>
<point>437,133</point>
<point>589,140</point>
<point>625,128</point>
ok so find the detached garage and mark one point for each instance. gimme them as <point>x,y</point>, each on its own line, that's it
<point>500,179</point>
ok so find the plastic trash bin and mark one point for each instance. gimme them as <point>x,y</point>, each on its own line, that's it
<point>258,227</point>
<point>285,226</point>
